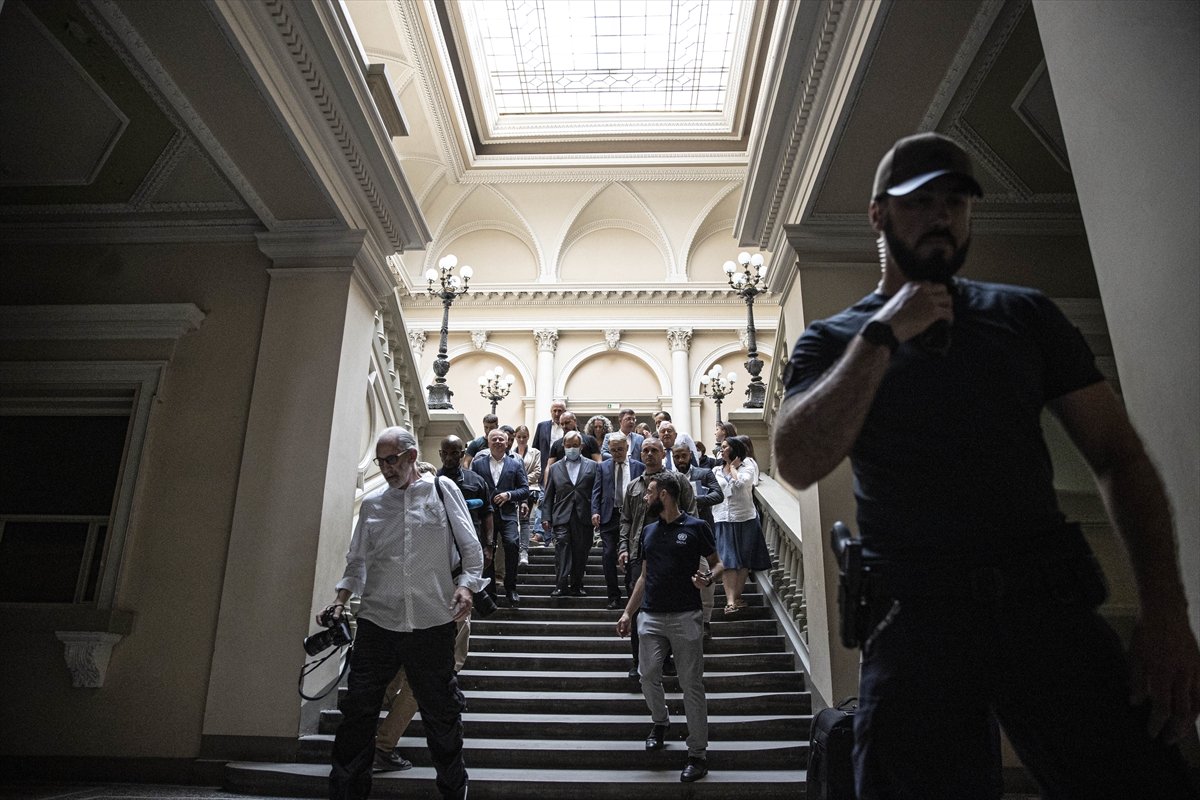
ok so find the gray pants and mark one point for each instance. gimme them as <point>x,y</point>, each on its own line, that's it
<point>679,632</point>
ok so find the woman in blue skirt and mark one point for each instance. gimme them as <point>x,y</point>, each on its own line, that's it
<point>740,542</point>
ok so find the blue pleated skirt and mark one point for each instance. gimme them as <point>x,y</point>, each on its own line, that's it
<point>741,545</point>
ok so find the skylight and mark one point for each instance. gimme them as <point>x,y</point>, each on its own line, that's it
<point>537,57</point>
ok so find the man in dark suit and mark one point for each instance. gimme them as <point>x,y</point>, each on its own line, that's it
<point>547,432</point>
<point>627,420</point>
<point>505,477</point>
<point>615,474</point>
<point>669,436</point>
<point>567,514</point>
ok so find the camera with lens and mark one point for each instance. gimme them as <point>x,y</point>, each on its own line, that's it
<point>337,633</point>
<point>483,604</point>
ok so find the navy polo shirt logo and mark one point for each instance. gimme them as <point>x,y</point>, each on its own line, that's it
<point>681,537</point>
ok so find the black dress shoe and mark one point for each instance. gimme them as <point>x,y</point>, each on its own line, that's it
<point>634,673</point>
<point>614,604</point>
<point>559,593</point>
<point>696,769</point>
<point>669,667</point>
<point>579,592</point>
<point>656,738</point>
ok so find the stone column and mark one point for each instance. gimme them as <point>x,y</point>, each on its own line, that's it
<point>680,340</point>
<point>547,342</point>
<point>294,504</point>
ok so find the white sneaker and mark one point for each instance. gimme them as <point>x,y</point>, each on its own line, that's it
<point>523,560</point>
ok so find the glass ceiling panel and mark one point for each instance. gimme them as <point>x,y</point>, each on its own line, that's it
<point>599,56</point>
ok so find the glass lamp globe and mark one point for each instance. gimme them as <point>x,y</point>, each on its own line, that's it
<point>729,267</point>
<point>467,272</point>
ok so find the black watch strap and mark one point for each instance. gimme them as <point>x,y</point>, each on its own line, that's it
<point>880,333</point>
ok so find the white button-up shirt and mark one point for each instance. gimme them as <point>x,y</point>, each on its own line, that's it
<point>404,548</point>
<point>738,505</point>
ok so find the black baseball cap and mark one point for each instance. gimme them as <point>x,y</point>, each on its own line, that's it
<point>916,160</point>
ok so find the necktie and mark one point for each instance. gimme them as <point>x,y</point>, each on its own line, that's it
<point>620,478</point>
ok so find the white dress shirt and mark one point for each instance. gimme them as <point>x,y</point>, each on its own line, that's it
<point>497,469</point>
<point>738,505</point>
<point>403,552</point>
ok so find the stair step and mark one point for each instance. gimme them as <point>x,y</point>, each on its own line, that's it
<point>519,625</point>
<point>535,754</point>
<point>756,662</point>
<point>532,680</point>
<point>310,780</point>
<point>540,608</point>
<point>612,644</point>
<point>606,726</point>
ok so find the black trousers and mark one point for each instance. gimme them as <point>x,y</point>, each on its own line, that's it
<point>610,537</point>
<point>427,655</point>
<point>508,536</point>
<point>571,547</point>
<point>939,678</point>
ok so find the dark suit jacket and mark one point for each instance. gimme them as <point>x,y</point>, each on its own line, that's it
<point>604,499</point>
<point>635,447</point>
<point>541,440</point>
<point>710,493</point>
<point>512,479</point>
<point>570,504</point>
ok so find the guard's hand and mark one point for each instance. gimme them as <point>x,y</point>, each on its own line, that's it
<point>915,307</point>
<point>702,580</point>
<point>462,603</point>
<point>622,560</point>
<point>1165,671</point>
<point>623,625</point>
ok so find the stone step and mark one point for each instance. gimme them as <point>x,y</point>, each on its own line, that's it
<point>659,783</point>
<point>562,645</point>
<point>472,680</point>
<point>531,578</point>
<point>544,607</point>
<point>519,625</point>
<point>615,662</point>
<point>629,701</point>
<point>606,726</point>
<point>534,754</point>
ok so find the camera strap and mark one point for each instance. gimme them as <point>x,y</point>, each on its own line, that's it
<point>308,668</point>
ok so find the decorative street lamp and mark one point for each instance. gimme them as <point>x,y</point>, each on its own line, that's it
<point>445,284</point>
<point>717,386</point>
<point>493,387</point>
<point>750,282</point>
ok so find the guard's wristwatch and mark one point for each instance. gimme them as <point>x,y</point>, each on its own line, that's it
<point>880,333</point>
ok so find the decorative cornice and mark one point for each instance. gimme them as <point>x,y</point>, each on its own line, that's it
<point>567,294</point>
<point>164,321</point>
<point>595,327</point>
<point>319,248</point>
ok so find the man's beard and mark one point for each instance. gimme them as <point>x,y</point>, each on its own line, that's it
<point>934,267</point>
<point>655,509</point>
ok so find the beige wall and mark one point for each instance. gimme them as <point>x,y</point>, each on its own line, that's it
<point>179,529</point>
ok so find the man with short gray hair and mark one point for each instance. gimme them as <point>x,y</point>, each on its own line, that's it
<point>409,538</point>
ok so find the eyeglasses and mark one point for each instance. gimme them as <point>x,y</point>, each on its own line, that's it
<point>391,460</point>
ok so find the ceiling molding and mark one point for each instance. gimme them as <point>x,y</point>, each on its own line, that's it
<point>90,322</point>
<point>567,294</point>
<point>117,231</point>
<point>960,65</point>
<point>462,323</point>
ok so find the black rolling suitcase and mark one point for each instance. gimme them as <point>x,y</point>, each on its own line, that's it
<point>830,755</point>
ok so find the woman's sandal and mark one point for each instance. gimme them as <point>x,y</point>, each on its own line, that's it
<point>732,610</point>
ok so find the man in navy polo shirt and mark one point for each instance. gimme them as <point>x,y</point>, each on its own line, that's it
<point>668,592</point>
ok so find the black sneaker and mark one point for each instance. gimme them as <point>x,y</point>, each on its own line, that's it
<point>390,761</point>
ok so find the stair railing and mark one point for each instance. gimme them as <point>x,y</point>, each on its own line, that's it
<point>783,584</point>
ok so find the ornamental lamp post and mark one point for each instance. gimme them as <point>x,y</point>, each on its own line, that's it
<point>717,386</point>
<point>749,282</point>
<point>444,284</point>
<point>494,386</point>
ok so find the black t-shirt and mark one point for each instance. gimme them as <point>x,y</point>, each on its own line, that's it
<point>671,553</point>
<point>475,488</point>
<point>951,460</point>
<point>588,449</point>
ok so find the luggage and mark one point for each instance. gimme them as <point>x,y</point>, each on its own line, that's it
<point>830,755</point>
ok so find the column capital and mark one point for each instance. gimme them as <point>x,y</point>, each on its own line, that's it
<point>312,249</point>
<point>680,339</point>
<point>547,339</point>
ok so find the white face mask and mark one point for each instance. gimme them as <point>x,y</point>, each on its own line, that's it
<point>572,453</point>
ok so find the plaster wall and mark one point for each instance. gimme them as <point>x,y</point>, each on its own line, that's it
<point>183,505</point>
<point>1127,79</point>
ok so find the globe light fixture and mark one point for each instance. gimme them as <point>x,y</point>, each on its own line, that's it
<point>446,285</point>
<point>748,278</point>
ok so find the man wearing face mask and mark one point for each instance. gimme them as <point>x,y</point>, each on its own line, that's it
<point>567,515</point>
<point>589,447</point>
<point>984,599</point>
<point>400,562</point>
